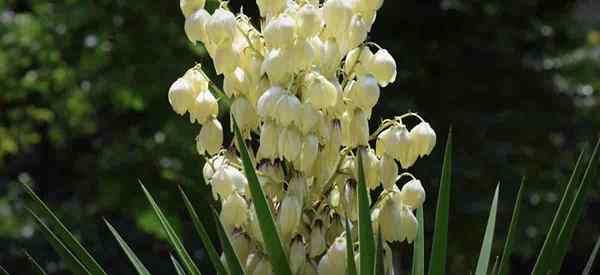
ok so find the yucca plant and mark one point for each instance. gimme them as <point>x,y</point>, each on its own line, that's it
<point>301,191</point>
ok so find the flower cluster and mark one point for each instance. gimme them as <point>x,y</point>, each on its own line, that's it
<point>302,87</point>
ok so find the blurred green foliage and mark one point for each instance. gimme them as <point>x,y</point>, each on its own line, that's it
<point>84,115</point>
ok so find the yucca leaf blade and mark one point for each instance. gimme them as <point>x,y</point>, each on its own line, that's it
<point>437,261</point>
<point>233,261</point>
<point>418,260</point>
<point>208,245</point>
<point>574,215</point>
<point>71,261</point>
<point>34,264</point>
<point>269,231</point>
<point>65,235</point>
<point>542,262</point>
<point>3,271</point>
<point>512,233</point>
<point>172,237</point>
<point>350,264</point>
<point>177,266</point>
<point>366,244</point>
<point>135,261</point>
<point>592,258</point>
<point>488,239</point>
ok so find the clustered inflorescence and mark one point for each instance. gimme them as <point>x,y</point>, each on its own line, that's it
<point>302,87</point>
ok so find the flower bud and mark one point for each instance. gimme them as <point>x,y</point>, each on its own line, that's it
<point>308,154</point>
<point>321,93</point>
<point>359,129</point>
<point>277,66</point>
<point>288,217</point>
<point>310,21</point>
<point>181,96</point>
<point>297,254</point>
<point>383,67</point>
<point>269,138</point>
<point>244,114</point>
<point>358,61</point>
<point>267,103</point>
<point>413,194</point>
<point>226,180</point>
<point>288,110</point>
<point>210,137</point>
<point>195,26</point>
<point>205,106</point>
<point>289,144</point>
<point>389,171</point>
<point>234,211</point>
<point>317,239</point>
<point>424,138</point>
<point>279,32</point>
<point>221,26</point>
<point>364,93</point>
<point>337,15</point>
<point>334,261</point>
<point>226,58</point>
<point>189,6</point>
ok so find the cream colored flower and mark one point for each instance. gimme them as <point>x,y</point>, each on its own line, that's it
<point>210,138</point>
<point>364,93</point>
<point>424,138</point>
<point>181,96</point>
<point>289,143</point>
<point>205,106</point>
<point>297,254</point>
<point>288,217</point>
<point>195,26</point>
<point>310,21</point>
<point>269,138</point>
<point>234,211</point>
<point>321,93</point>
<point>244,114</point>
<point>359,129</point>
<point>221,26</point>
<point>334,261</point>
<point>190,6</point>
<point>413,194</point>
<point>388,171</point>
<point>383,67</point>
<point>280,31</point>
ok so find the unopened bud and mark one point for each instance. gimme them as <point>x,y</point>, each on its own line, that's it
<point>317,239</point>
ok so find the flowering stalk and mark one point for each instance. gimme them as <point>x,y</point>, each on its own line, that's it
<point>304,86</point>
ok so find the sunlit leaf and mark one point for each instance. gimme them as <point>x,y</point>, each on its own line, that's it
<point>137,264</point>
<point>488,239</point>
<point>512,233</point>
<point>366,242</point>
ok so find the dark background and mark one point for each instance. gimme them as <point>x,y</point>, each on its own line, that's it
<point>84,115</point>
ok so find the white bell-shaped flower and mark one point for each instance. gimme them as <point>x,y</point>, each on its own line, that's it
<point>337,15</point>
<point>205,107</point>
<point>298,187</point>
<point>371,169</point>
<point>289,143</point>
<point>303,54</point>
<point>226,58</point>
<point>234,211</point>
<point>280,32</point>
<point>241,245</point>
<point>334,261</point>
<point>266,105</point>
<point>367,5</point>
<point>190,6</point>
<point>197,79</point>
<point>358,61</point>
<point>253,227</point>
<point>357,33</point>
<point>359,129</point>
<point>401,146</point>
<point>210,138</point>
<point>382,139</point>
<point>389,219</point>
<point>309,118</point>
<point>364,93</point>
<point>308,154</point>
<point>228,179</point>
<point>288,217</point>
<point>263,267</point>
<point>329,58</point>
<point>297,254</point>
<point>317,239</point>
<point>181,96</point>
<point>424,138</point>
<point>195,26</point>
<point>388,170</point>
<point>277,65</point>
<point>244,114</point>
<point>321,93</point>
<point>269,8</point>
<point>221,26</point>
<point>269,138</point>
<point>351,199</point>
<point>236,83</point>
<point>310,21</point>
<point>383,67</point>
<point>413,194</point>
<point>288,110</point>
<point>211,166</point>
